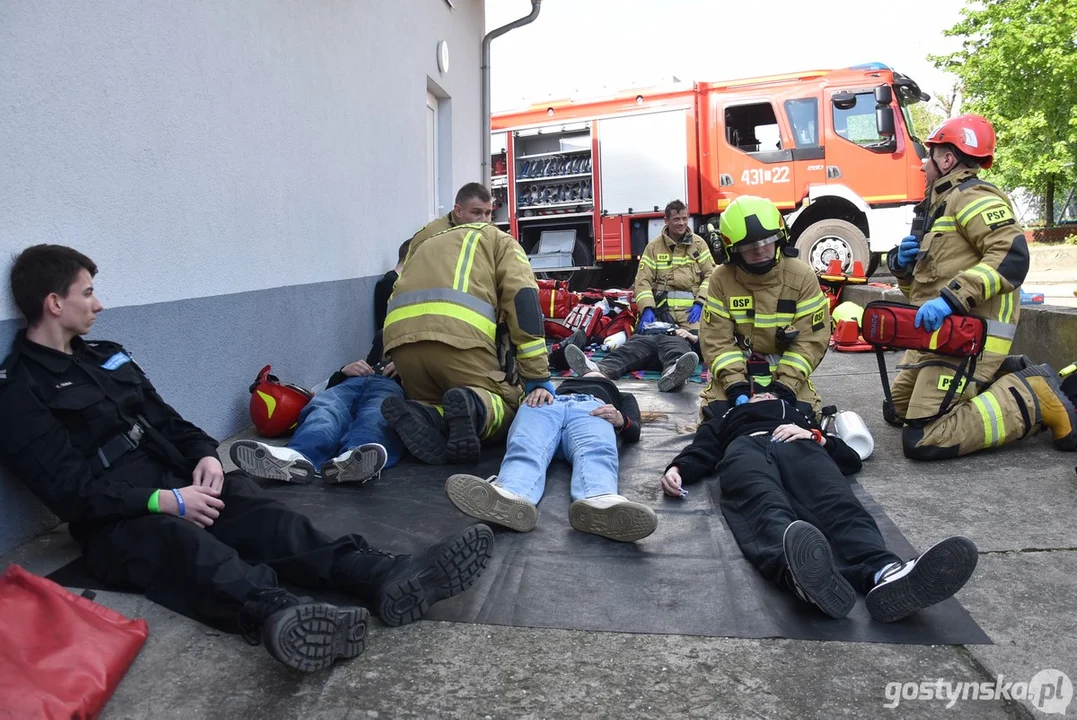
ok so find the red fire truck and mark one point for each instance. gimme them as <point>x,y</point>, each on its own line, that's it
<point>582,184</point>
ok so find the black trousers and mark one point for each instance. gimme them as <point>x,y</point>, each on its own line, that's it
<point>767,485</point>
<point>644,352</point>
<point>206,574</point>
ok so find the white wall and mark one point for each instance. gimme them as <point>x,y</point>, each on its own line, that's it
<point>204,147</point>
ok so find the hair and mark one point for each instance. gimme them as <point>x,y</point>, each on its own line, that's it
<point>963,158</point>
<point>41,270</point>
<point>674,206</point>
<point>403,251</point>
<point>473,191</point>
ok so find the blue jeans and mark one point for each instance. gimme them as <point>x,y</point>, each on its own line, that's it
<point>566,430</point>
<point>345,416</point>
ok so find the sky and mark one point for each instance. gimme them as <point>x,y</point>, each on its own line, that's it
<point>584,48</point>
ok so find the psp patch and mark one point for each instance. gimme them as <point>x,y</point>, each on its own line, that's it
<point>117,360</point>
<point>946,380</point>
<point>996,215</point>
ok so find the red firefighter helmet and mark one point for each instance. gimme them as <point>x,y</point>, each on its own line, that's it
<point>971,134</point>
<point>275,406</point>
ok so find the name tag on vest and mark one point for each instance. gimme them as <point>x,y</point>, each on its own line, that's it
<point>116,361</point>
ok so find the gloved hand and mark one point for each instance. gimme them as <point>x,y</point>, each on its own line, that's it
<point>647,316</point>
<point>741,399</point>
<point>695,313</point>
<point>932,313</point>
<point>907,250</point>
<point>536,384</point>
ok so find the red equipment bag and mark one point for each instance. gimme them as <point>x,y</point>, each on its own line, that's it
<point>624,321</point>
<point>555,330</point>
<point>555,299</point>
<point>587,318</point>
<point>63,654</point>
<point>893,325</point>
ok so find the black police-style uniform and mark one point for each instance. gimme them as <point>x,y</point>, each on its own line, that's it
<point>89,434</point>
<point>767,485</point>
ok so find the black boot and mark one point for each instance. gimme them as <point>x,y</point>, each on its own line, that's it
<point>421,428</point>
<point>300,633</point>
<point>401,588</point>
<point>465,416</point>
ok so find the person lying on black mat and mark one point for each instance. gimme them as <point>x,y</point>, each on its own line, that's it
<point>148,502</point>
<point>786,499</point>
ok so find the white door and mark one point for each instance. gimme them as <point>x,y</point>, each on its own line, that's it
<point>432,180</point>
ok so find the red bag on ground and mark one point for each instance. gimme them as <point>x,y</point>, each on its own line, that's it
<point>556,302</point>
<point>585,317</point>
<point>890,324</point>
<point>624,321</point>
<point>63,655</point>
<point>555,330</point>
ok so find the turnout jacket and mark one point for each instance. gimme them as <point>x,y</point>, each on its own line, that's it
<point>459,287</point>
<point>702,456</point>
<point>744,312</point>
<point>974,255</point>
<point>58,410</point>
<point>432,228</point>
<point>678,269</point>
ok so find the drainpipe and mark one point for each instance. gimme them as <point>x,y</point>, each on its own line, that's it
<point>535,6</point>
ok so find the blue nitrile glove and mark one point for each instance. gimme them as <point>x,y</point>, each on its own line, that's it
<point>695,313</point>
<point>741,399</point>
<point>647,316</point>
<point>907,251</point>
<point>536,384</point>
<point>932,313</point>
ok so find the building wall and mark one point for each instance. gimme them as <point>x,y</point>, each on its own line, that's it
<point>241,173</point>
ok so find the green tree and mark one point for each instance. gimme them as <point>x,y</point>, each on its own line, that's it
<point>1018,68</point>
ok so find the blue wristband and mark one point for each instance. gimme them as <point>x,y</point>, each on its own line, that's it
<point>179,499</point>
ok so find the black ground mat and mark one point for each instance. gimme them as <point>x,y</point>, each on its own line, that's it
<point>688,578</point>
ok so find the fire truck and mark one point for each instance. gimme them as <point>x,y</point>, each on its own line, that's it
<point>583,184</point>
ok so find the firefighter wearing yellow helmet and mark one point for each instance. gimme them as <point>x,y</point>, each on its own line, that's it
<point>764,306</point>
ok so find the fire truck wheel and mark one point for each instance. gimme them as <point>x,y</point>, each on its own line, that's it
<point>829,240</point>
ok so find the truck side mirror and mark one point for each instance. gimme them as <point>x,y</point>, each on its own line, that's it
<point>883,95</point>
<point>884,121</point>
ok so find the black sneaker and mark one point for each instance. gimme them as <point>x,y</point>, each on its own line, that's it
<point>416,427</point>
<point>418,581</point>
<point>677,374</point>
<point>812,575</point>
<point>464,416</point>
<point>923,581</point>
<point>300,633</point>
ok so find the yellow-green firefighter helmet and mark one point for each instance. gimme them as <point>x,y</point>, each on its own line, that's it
<point>751,222</point>
<point>848,311</point>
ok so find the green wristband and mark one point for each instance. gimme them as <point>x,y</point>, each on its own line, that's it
<point>154,504</point>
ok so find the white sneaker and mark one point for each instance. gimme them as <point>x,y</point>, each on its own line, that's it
<point>677,375</point>
<point>903,588</point>
<point>484,500</point>
<point>579,362</point>
<point>612,516</point>
<point>269,462</point>
<point>356,465</point>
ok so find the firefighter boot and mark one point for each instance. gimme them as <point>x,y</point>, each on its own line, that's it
<point>466,417</point>
<point>421,428</point>
<point>300,633</point>
<point>1056,410</point>
<point>401,588</point>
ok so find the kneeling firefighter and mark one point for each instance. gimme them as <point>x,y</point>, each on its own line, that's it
<point>766,323</point>
<point>967,254</point>
<point>464,328</point>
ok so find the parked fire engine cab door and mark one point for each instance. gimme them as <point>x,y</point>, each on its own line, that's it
<point>856,155</point>
<point>754,153</point>
<point>809,156</point>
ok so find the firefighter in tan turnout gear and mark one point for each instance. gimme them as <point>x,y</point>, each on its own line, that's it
<point>463,295</point>
<point>671,286</point>
<point>766,323</point>
<point>971,260</point>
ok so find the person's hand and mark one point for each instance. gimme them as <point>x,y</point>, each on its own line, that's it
<point>359,368</point>
<point>790,432</point>
<point>389,370</point>
<point>932,313</point>
<point>740,400</point>
<point>539,392</point>
<point>201,506</point>
<point>685,334</point>
<point>671,483</point>
<point>695,312</point>
<point>610,413</point>
<point>907,251</point>
<point>208,473</point>
<point>647,316</point>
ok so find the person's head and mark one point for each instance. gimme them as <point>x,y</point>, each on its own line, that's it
<point>402,252</point>
<point>677,219</point>
<point>753,234</point>
<point>760,397</point>
<point>54,284</point>
<point>474,203</point>
<point>963,142</point>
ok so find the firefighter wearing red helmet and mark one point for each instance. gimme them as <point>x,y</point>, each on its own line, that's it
<point>968,255</point>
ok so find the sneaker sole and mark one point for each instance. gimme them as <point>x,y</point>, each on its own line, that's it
<point>313,636</point>
<point>475,497</point>
<point>463,445</point>
<point>1067,443</point>
<point>686,365</point>
<point>253,459</point>
<point>360,466</point>
<point>624,522</point>
<point>421,441</point>
<point>808,554</point>
<point>939,573</point>
<point>455,569</point>
<point>577,360</point>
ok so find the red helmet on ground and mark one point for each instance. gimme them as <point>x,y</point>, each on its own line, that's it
<point>971,134</point>
<point>275,407</point>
